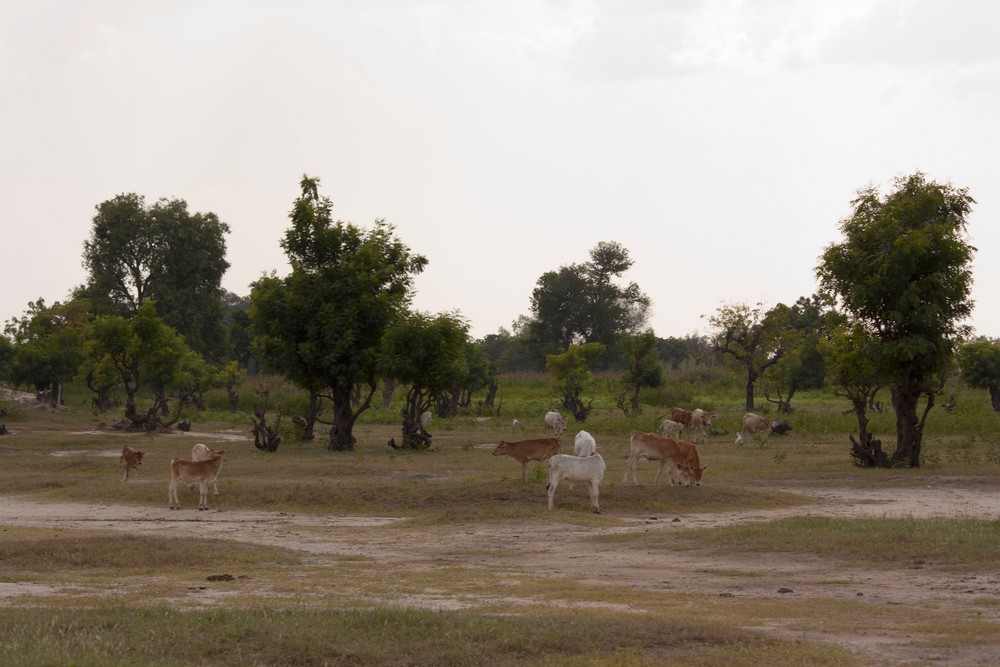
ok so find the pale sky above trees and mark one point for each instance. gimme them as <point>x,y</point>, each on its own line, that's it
<point>720,142</point>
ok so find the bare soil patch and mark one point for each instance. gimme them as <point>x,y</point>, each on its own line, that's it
<point>561,550</point>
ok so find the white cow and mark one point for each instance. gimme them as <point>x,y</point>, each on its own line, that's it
<point>515,425</point>
<point>589,469</point>
<point>554,422</point>
<point>202,453</point>
<point>754,427</point>
<point>425,419</point>
<point>584,444</point>
<point>671,429</point>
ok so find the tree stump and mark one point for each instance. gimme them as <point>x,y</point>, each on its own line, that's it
<point>869,454</point>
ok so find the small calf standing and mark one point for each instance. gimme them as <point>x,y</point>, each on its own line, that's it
<point>537,449</point>
<point>130,459</point>
<point>589,469</point>
<point>584,444</point>
<point>202,453</point>
<point>194,472</point>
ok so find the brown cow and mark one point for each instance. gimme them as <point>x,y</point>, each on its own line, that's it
<point>700,421</point>
<point>194,472</point>
<point>756,427</point>
<point>130,459</point>
<point>680,456</point>
<point>681,416</point>
<point>538,449</point>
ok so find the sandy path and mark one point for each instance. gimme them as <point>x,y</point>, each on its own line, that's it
<point>562,550</point>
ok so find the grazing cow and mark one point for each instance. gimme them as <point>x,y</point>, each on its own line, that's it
<point>681,416</point>
<point>584,444</point>
<point>554,422</point>
<point>588,469</point>
<point>425,419</point>
<point>537,449</point>
<point>515,425</point>
<point>756,427</point>
<point>780,426</point>
<point>676,455</point>
<point>196,472</point>
<point>671,429</point>
<point>700,422</point>
<point>202,453</point>
<point>130,459</point>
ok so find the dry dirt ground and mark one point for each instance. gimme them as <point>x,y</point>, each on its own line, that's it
<point>560,551</point>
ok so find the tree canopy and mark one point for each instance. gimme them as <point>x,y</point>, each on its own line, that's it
<point>752,339</point>
<point>903,272</point>
<point>164,253</point>
<point>322,325</point>
<point>581,303</point>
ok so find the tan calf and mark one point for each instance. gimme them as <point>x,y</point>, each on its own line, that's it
<point>194,472</point>
<point>130,460</point>
<point>538,449</point>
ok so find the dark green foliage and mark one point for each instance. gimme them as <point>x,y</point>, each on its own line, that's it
<point>164,253</point>
<point>322,325</point>
<point>980,364</point>
<point>904,273</point>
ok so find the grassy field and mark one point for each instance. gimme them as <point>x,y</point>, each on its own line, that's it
<point>469,567</point>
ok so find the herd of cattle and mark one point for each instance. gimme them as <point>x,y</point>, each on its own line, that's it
<point>679,458</point>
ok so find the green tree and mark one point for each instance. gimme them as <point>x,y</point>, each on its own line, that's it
<point>643,367</point>
<point>322,325</point>
<point>979,361</point>
<point>161,252</point>
<point>849,360</point>
<point>903,272</point>
<point>752,339</point>
<point>581,303</point>
<point>805,323</point>
<point>572,375</point>
<point>48,345</point>
<point>146,354</point>
<point>428,354</point>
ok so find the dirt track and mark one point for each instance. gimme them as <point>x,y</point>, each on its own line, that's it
<point>558,549</point>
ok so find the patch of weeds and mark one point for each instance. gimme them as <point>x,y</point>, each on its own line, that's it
<point>537,473</point>
<point>780,456</point>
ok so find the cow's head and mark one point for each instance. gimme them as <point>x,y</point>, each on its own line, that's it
<point>502,449</point>
<point>694,472</point>
<point>138,457</point>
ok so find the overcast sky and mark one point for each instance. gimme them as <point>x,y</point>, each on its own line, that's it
<point>719,142</point>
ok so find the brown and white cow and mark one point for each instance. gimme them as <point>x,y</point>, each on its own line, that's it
<point>130,460</point>
<point>756,427</point>
<point>194,472</point>
<point>538,449</point>
<point>676,455</point>
<point>700,422</point>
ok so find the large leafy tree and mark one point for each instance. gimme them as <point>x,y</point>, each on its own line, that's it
<point>849,361</point>
<point>322,325</point>
<point>903,272</point>
<point>752,339</point>
<point>48,344</point>
<point>643,367</point>
<point>979,361</point>
<point>572,375</point>
<point>805,323</point>
<point>582,303</point>
<point>149,358</point>
<point>428,355</point>
<point>165,253</point>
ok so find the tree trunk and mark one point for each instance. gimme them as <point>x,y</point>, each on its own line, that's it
<point>995,396</point>
<point>308,422</point>
<point>342,433</point>
<point>635,400</point>
<point>388,389</point>
<point>749,393</point>
<point>908,429</point>
<point>491,393</point>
